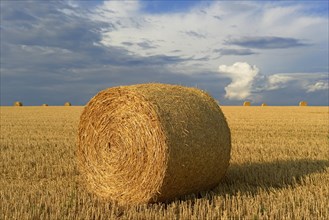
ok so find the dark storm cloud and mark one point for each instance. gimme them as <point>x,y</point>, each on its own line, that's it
<point>127,43</point>
<point>265,42</point>
<point>50,53</point>
<point>195,34</point>
<point>217,17</point>
<point>235,52</point>
<point>48,26</point>
<point>145,45</point>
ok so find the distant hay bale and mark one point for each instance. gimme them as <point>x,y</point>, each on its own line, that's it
<point>264,104</point>
<point>152,142</point>
<point>303,103</point>
<point>246,103</point>
<point>44,104</point>
<point>18,104</point>
<point>67,104</point>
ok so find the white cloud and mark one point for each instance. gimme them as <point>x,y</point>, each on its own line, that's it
<point>318,86</point>
<point>249,82</point>
<point>116,9</point>
<point>169,32</point>
<point>168,35</point>
<point>306,81</point>
<point>198,35</point>
<point>277,81</point>
<point>242,75</point>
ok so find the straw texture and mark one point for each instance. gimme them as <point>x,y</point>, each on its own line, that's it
<point>264,104</point>
<point>303,103</point>
<point>152,142</point>
<point>18,104</point>
<point>44,104</point>
<point>246,103</point>
<point>67,104</point>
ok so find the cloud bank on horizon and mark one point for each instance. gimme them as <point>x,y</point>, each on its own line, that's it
<point>259,51</point>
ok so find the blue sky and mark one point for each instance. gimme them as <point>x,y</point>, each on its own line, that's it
<point>261,51</point>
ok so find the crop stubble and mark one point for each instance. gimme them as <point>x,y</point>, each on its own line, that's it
<point>279,168</point>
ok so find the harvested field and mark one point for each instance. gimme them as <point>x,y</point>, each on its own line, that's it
<point>279,168</point>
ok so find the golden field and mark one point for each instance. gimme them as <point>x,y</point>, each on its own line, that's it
<point>279,168</point>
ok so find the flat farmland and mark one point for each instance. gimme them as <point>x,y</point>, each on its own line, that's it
<point>279,168</point>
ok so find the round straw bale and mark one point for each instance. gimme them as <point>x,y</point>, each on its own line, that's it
<point>246,103</point>
<point>303,103</point>
<point>18,103</point>
<point>44,104</point>
<point>67,104</point>
<point>152,142</point>
<point>264,104</point>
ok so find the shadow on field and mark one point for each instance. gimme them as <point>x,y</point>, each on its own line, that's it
<point>251,177</point>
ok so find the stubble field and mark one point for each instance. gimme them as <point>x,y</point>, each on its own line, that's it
<point>279,168</point>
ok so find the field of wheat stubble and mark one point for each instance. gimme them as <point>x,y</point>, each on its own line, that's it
<point>279,168</point>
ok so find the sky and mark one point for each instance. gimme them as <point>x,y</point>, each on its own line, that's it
<point>259,51</point>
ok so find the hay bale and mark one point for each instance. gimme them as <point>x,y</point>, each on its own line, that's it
<point>246,103</point>
<point>44,104</point>
<point>152,142</point>
<point>18,103</point>
<point>67,104</point>
<point>264,104</point>
<point>303,103</point>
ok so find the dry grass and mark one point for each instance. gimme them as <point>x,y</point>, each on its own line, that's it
<point>152,142</point>
<point>279,169</point>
